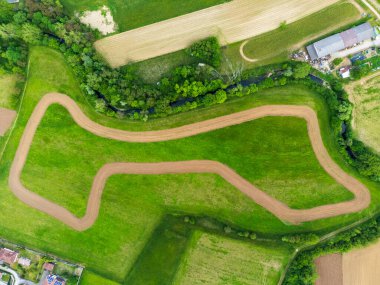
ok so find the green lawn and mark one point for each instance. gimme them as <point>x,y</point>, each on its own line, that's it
<point>90,278</point>
<point>8,90</point>
<point>133,206</point>
<point>217,260</point>
<point>366,112</point>
<point>131,14</point>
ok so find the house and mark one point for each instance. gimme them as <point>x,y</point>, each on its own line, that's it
<point>54,280</point>
<point>345,72</point>
<point>49,266</point>
<point>341,41</point>
<point>8,256</point>
<point>24,261</point>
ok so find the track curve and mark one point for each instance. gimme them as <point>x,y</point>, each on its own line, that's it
<point>282,211</point>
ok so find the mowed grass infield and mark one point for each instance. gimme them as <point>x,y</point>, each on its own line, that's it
<point>132,206</point>
<point>138,13</point>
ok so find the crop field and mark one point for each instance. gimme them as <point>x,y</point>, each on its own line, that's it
<point>137,13</point>
<point>231,22</point>
<point>294,35</point>
<point>281,41</point>
<point>123,229</point>
<point>212,259</point>
<point>366,112</point>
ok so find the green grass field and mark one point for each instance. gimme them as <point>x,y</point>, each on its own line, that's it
<point>8,90</point>
<point>288,170</point>
<point>123,229</point>
<point>216,260</point>
<point>138,13</point>
<point>366,112</point>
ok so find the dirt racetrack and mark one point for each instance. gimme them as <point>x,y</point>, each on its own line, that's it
<point>6,118</point>
<point>282,211</point>
<point>231,22</point>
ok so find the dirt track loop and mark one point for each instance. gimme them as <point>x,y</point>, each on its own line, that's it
<point>282,211</point>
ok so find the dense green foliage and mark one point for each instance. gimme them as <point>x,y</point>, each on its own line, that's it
<point>207,50</point>
<point>362,68</point>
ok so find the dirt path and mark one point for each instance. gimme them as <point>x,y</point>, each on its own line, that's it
<point>6,118</point>
<point>282,211</point>
<point>234,21</point>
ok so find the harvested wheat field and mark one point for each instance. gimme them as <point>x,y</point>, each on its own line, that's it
<point>281,210</point>
<point>6,118</point>
<point>361,266</point>
<point>329,270</point>
<point>232,22</point>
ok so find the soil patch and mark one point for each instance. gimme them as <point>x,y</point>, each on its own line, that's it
<point>6,118</point>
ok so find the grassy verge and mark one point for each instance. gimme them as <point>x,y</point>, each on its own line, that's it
<point>9,90</point>
<point>90,278</point>
<point>121,231</point>
<point>366,112</point>
<point>138,13</point>
<point>212,259</point>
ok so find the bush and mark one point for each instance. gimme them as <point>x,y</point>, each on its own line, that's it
<point>337,61</point>
<point>207,50</point>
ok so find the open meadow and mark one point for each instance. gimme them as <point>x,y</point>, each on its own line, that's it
<point>366,112</point>
<point>123,230</point>
<point>214,260</point>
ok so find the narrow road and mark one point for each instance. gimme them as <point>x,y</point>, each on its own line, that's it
<point>361,201</point>
<point>371,8</point>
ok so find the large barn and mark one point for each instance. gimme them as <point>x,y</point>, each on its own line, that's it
<point>341,41</point>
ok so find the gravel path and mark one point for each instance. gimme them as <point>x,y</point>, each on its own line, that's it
<point>282,211</point>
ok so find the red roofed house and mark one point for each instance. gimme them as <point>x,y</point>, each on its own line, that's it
<point>49,266</point>
<point>8,256</point>
<point>54,280</point>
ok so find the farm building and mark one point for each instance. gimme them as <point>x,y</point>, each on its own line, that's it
<point>8,256</point>
<point>341,41</point>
